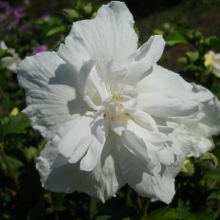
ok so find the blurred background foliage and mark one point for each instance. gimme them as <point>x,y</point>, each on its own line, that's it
<point>191,29</point>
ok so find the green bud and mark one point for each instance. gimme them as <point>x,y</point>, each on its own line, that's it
<point>166,26</point>
<point>157,31</point>
<point>208,162</point>
<point>88,9</point>
<point>187,168</point>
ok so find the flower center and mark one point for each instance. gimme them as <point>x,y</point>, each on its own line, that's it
<point>117,97</point>
<point>114,107</point>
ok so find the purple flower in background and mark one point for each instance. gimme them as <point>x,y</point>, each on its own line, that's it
<point>18,13</point>
<point>5,11</point>
<point>40,49</point>
<point>46,16</point>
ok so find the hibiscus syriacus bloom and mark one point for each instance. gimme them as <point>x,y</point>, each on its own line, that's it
<point>11,63</point>
<point>212,62</point>
<point>110,115</point>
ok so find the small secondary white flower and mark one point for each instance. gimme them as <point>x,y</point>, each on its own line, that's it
<point>110,115</point>
<point>212,62</point>
<point>11,63</point>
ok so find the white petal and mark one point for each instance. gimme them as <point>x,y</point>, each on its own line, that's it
<point>142,150</point>
<point>160,186</point>
<point>209,124</point>
<point>175,168</point>
<point>91,104</point>
<point>77,140</point>
<point>73,52</point>
<point>110,105</point>
<point>92,156</point>
<point>110,35</point>
<point>166,156</point>
<point>114,74</point>
<point>98,85</point>
<point>129,102</point>
<point>156,138</point>
<point>167,106</point>
<point>143,59</point>
<point>84,72</point>
<point>59,161</point>
<point>151,186</point>
<point>101,127</point>
<point>51,99</point>
<point>200,145</point>
<point>162,84</point>
<point>102,182</point>
<point>145,120</point>
<point>90,160</point>
<point>117,127</point>
<point>134,144</point>
<point>180,139</point>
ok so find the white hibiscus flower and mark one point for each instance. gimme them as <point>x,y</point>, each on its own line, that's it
<point>109,114</point>
<point>11,63</point>
<point>212,62</point>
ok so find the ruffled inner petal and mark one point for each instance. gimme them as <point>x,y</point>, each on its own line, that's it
<point>129,101</point>
<point>77,140</point>
<point>143,59</point>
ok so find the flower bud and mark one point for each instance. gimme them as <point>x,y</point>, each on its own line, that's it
<point>208,161</point>
<point>187,168</point>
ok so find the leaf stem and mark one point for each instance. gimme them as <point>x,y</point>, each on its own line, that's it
<point>4,157</point>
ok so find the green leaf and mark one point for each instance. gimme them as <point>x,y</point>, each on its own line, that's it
<point>72,13</point>
<point>39,211</point>
<point>193,56</point>
<point>93,207</point>
<point>212,176</point>
<point>59,201</point>
<point>56,30</point>
<point>39,21</point>
<point>204,214</point>
<point>212,42</point>
<point>164,213</point>
<point>176,38</point>
<point>184,212</point>
<point>5,53</point>
<point>15,164</point>
<point>55,19</point>
<point>16,125</point>
<point>214,195</point>
<point>16,154</point>
<point>195,67</point>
